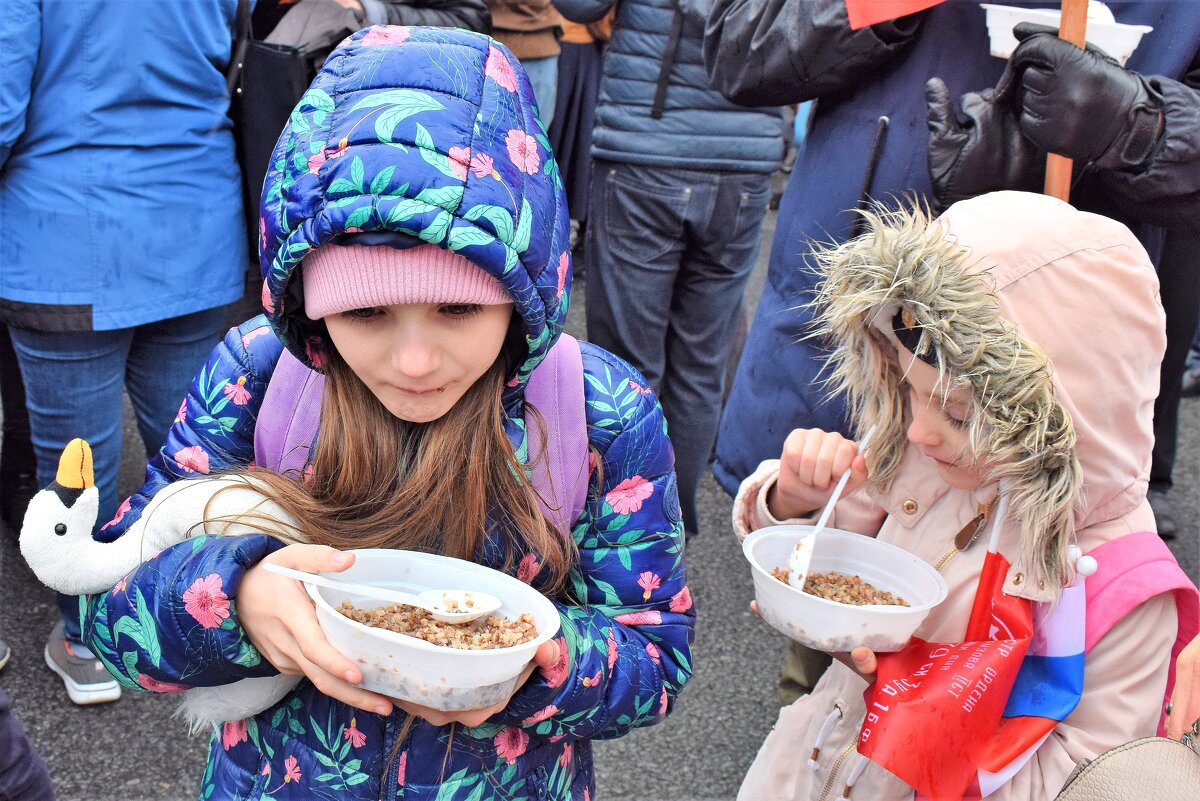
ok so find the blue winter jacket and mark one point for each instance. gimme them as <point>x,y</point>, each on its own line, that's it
<point>699,129</point>
<point>120,197</point>
<point>759,52</point>
<point>383,145</point>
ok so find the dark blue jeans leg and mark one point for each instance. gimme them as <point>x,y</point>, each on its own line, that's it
<point>73,388</point>
<point>633,250</point>
<point>23,775</point>
<point>722,245</point>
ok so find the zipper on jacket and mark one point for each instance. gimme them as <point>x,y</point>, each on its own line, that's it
<point>837,763</point>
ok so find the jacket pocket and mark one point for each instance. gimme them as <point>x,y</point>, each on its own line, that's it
<point>644,221</point>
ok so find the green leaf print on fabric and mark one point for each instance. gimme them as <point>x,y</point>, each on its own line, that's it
<point>447,197</point>
<point>400,105</point>
<point>379,183</point>
<point>464,237</point>
<point>524,230</point>
<point>430,153</point>
<point>501,220</point>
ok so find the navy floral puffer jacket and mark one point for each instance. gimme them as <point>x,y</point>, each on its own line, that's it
<point>425,133</point>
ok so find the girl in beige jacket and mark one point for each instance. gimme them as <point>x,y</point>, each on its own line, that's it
<point>1013,340</point>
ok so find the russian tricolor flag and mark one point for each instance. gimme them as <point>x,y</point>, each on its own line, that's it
<point>992,699</point>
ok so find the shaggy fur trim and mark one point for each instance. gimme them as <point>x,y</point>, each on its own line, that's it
<point>903,262</point>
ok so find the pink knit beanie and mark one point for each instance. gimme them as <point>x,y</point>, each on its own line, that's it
<point>339,278</point>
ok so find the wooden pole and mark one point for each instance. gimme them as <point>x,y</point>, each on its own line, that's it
<point>1073,29</point>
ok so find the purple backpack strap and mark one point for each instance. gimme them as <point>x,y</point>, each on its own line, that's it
<point>288,418</point>
<point>560,475</point>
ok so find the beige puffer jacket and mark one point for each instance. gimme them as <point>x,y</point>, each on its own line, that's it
<point>1083,289</point>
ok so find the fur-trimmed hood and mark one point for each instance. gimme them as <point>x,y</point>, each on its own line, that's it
<point>411,136</point>
<point>1050,317</point>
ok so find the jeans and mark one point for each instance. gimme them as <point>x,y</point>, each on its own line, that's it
<point>23,775</point>
<point>668,253</point>
<point>73,387</point>
<point>543,77</point>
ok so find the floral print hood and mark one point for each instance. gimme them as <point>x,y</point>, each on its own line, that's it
<point>412,135</point>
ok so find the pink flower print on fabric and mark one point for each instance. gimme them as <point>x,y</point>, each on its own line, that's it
<point>292,766</point>
<point>193,459</point>
<point>314,163</point>
<point>236,392</point>
<point>121,510</point>
<point>262,231</point>
<point>654,653</point>
<point>401,768</point>
<point>591,681</point>
<point>612,653</point>
<point>649,582</point>
<point>155,686</point>
<point>181,415</point>
<point>482,166</point>
<point>638,388</point>
<point>232,733</point>
<point>628,496</point>
<point>206,602</point>
<point>385,35</point>
<point>540,715</point>
<point>528,568</point>
<point>651,617</point>
<point>564,264</point>
<point>556,674</point>
<point>257,332</point>
<point>662,705</point>
<point>352,733</point>
<point>565,759</point>
<point>499,70</point>
<point>118,587</point>
<point>681,601</point>
<point>460,161</point>
<point>266,771</point>
<point>523,150</point>
<point>268,303</point>
<point>510,743</point>
<point>314,348</point>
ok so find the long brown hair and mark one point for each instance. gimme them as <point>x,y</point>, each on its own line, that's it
<point>376,481</point>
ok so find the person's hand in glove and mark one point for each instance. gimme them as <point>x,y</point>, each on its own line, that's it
<point>985,153</point>
<point>1080,103</point>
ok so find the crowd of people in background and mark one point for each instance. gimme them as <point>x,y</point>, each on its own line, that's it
<point>651,133</point>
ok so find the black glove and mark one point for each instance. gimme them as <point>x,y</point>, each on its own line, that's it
<point>984,154</point>
<point>1081,103</point>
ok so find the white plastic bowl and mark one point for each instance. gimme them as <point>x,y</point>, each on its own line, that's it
<point>1114,38</point>
<point>833,627</point>
<point>411,669</point>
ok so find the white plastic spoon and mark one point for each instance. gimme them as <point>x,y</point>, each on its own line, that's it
<point>448,606</point>
<point>801,556</point>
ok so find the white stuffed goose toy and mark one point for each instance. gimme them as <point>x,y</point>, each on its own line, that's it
<point>56,541</point>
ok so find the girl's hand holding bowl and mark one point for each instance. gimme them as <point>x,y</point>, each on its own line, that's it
<point>809,468</point>
<point>280,621</point>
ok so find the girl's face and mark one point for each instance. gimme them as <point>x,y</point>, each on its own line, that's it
<point>940,419</point>
<point>419,358</point>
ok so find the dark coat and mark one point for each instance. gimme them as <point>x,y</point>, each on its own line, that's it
<point>699,129</point>
<point>762,51</point>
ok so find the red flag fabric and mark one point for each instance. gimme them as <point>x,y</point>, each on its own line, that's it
<point>869,12</point>
<point>934,706</point>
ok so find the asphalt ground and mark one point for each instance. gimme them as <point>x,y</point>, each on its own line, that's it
<point>134,750</point>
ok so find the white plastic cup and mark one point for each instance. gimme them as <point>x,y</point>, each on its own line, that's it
<point>1114,38</point>
<point>830,626</point>
<point>411,669</point>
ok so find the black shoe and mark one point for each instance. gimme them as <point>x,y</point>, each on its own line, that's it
<point>1167,527</point>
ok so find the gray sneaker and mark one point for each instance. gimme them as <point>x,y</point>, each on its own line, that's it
<point>5,653</point>
<point>84,675</point>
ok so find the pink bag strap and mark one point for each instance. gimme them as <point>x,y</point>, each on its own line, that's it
<point>291,411</point>
<point>288,417</point>
<point>560,473</point>
<point>1132,570</point>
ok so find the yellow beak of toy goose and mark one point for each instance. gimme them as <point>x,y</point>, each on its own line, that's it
<point>75,469</point>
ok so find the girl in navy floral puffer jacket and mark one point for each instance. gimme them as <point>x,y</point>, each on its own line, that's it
<point>416,176</point>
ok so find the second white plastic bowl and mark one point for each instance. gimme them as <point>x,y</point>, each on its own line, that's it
<point>833,627</point>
